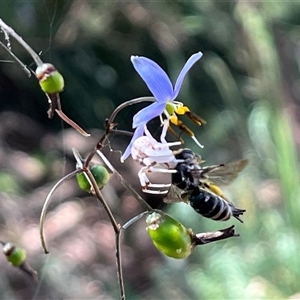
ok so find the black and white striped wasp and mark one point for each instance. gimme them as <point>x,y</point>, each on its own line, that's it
<point>198,185</point>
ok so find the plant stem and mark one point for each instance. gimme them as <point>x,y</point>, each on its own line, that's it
<point>124,183</point>
<point>46,204</point>
<point>24,67</point>
<point>12,33</point>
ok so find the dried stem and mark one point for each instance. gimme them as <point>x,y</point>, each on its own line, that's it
<point>118,251</point>
<point>25,267</point>
<point>116,226</point>
<point>129,103</point>
<point>24,67</point>
<point>46,204</point>
<point>99,195</point>
<point>119,264</point>
<point>71,123</point>
<point>12,33</point>
<point>79,164</point>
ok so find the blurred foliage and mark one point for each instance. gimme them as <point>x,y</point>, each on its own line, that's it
<point>246,86</point>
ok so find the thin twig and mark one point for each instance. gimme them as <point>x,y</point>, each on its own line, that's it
<point>129,103</point>
<point>24,67</point>
<point>118,251</point>
<point>78,158</point>
<point>80,164</point>
<point>71,123</point>
<point>12,33</point>
<point>46,204</point>
<point>124,183</point>
<point>26,268</point>
<point>136,218</point>
<point>119,265</point>
<point>116,226</point>
<point>122,132</point>
<point>96,191</point>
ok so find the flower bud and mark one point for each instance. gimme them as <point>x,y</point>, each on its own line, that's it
<point>169,236</point>
<point>50,80</point>
<point>15,255</point>
<point>100,174</point>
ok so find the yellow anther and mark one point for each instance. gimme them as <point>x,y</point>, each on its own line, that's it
<point>173,119</point>
<point>181,110</point>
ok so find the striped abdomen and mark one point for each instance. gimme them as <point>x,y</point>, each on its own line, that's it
<point>212,206</point>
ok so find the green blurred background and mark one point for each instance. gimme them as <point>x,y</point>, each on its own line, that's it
<point>246,87</point>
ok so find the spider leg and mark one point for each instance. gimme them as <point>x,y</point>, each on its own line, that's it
<point>155,192</point>
<point>160,170</point>
<point>146,184</point>
<point>144,180</point>
<point>166,145</point>
<point>164,131</point>
<point>159,185</point>
<point>149,135</point>
<point>163,143</point>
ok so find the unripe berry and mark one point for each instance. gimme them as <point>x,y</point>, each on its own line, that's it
<point>169,236</point>
<point>50,80</point>
<point>100,174</point>
<point>15,255</point>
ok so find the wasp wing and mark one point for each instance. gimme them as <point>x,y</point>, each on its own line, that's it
<point>222,174</point>
<point>176,195</point>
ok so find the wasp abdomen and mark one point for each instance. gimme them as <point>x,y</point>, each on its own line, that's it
<point>213,207</point>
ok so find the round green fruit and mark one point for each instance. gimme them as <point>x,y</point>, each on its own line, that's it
<point>100,174</point>
<point>169,236</point>
<point>50,80</point>
<point>15,255</point>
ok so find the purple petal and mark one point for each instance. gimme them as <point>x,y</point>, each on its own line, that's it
<point>138,132</point>
<point>155,78</point>
<point>194,58</point>
<point>148,113</point>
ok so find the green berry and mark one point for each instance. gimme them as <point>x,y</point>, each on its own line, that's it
<point>100,174</point>
<point>15,255</point>
<point>50,80</point>
<point>169,236</point>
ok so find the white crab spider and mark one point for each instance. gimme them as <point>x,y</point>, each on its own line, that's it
<point>156,157</point>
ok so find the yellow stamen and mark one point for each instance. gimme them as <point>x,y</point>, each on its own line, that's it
<point>181,110</point>
<point>173,119</point>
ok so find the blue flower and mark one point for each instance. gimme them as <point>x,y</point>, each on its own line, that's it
<point>162,89</point>
<point>137,133</point>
